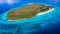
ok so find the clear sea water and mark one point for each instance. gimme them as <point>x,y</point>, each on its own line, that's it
<point>48,23</point>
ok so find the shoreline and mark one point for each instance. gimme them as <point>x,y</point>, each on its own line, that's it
<point>45,12</point>
<point>5,14</point>
<point>36,15</point>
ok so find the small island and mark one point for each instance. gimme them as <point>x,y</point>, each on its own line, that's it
<point>27,11</point>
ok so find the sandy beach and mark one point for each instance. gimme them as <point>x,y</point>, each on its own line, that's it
<point>45,12</point>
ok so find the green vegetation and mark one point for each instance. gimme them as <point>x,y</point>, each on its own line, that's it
<point>27,11</point>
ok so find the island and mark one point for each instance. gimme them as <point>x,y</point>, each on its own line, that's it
<point>27,11</point>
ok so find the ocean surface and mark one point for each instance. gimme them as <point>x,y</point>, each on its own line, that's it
<point>48,23</point>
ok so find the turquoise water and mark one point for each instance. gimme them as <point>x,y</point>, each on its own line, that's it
<point>43,22</point>
<point>47,18</point>
<point>26,20</point>
<point>46,21</point>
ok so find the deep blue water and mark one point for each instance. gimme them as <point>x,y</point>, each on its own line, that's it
<point>48,23</point>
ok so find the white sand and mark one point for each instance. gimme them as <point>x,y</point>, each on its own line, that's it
<point>45,12</point>
<point>37,14</point>
<point>5,14</point>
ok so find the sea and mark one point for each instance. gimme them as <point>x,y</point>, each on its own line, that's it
<point>48,23</point>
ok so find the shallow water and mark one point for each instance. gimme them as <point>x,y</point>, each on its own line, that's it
<point>48,21</point>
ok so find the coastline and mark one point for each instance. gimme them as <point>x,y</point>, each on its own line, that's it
<point>5,14</point>
<point>36,15</point>
<point>45,12</point>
